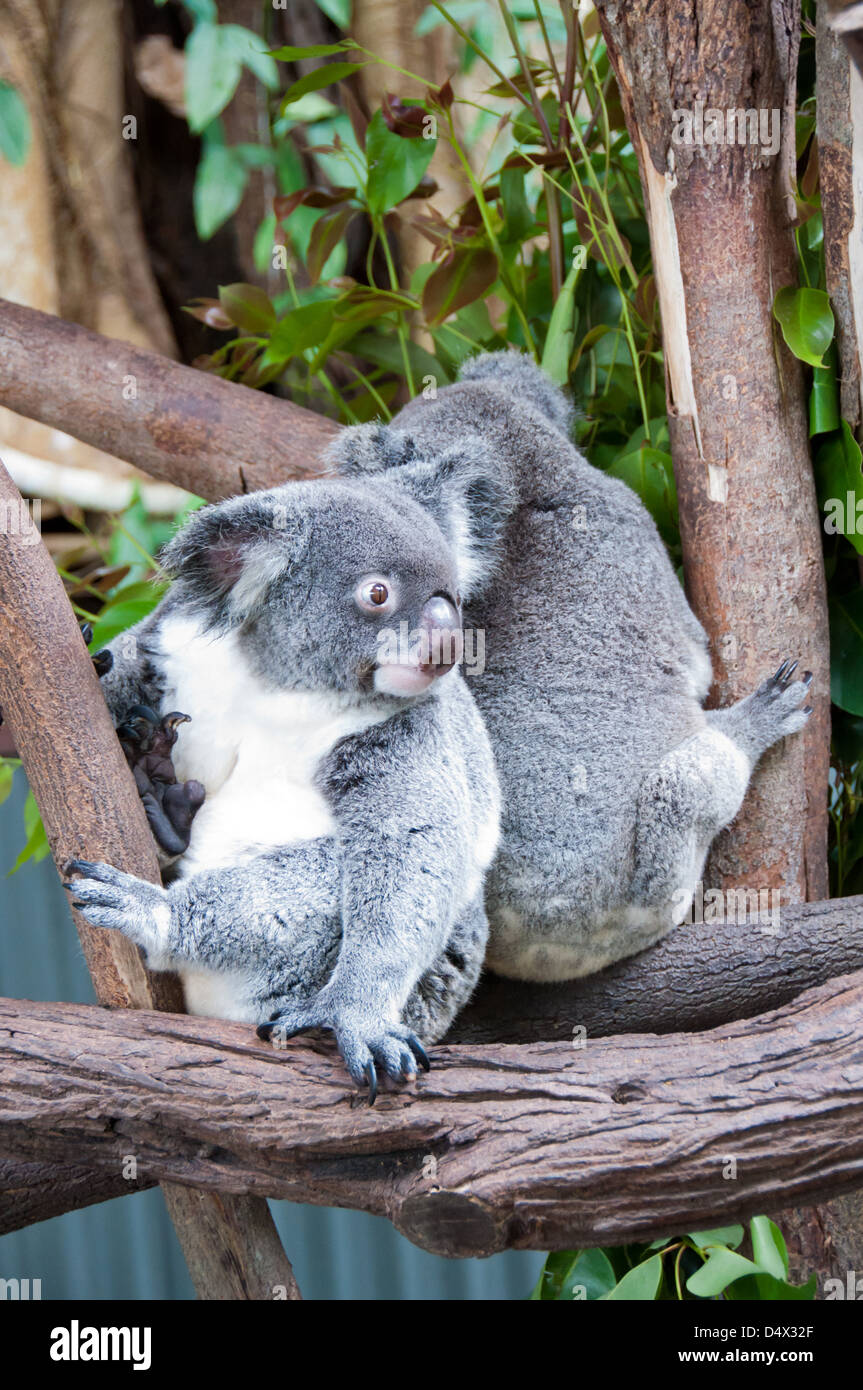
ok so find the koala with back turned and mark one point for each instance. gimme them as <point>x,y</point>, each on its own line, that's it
<point>346,796</point>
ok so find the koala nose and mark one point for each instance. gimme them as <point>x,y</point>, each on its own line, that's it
<point>441,645</point>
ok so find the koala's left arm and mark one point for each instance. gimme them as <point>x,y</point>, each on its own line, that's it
<point>405,831</point>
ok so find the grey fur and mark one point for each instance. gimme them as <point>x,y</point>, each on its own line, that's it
<point>376,930</point>
<point>615,779</point>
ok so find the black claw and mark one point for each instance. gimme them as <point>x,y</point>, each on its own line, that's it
<point>372,1078</point>
<point>79,866</point>
<point>807,709</point>
<point>418,1051</point>
<point>86,633</point>
<point>264,1030</point>
<point>102,662</point>
<point>781,672</point>
<point>791,669</point>
<point>807,679</point>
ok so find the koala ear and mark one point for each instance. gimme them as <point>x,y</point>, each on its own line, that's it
<point>227,555</point>
<point>374,448</point>
<point>471,498</point>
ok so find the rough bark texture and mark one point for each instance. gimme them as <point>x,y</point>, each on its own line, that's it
<point>537,1147</point>
<point>838,103</point>
<point>698,977</point>
<point>722,243</point>
<point>31,1192</point>
<point>90,807</point>
<point>213,437</point>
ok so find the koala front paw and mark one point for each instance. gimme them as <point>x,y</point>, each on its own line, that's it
<point>171,806</point>
<point>363,1041</point>
<point>107,897</point>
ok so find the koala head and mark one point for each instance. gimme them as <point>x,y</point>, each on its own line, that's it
<point>353,583</point>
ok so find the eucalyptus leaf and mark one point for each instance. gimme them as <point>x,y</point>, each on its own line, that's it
<point>395,165</point>
<point>212,73</point>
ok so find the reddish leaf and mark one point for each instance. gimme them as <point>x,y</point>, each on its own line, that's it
<point>210,312</point>
<point>248,307</point>
<point>402,119</point>
<point>313,197</point>
<point>463,277</point>
<point>326,234</point>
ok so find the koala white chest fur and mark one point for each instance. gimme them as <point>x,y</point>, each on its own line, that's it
<point>259,779</point>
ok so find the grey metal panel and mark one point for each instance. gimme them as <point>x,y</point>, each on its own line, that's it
<point>126,1249</point>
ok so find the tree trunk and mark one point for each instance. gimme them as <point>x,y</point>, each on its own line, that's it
<point>720,218</point>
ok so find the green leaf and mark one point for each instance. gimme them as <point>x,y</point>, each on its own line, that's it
<point>591,1277</point>
<point>339,11</point>
<point>212,73</point>
<point>720,1235</point>
<point>839,478</point>
<point>329,230</point>
<point>824,396</point>
<point>395,165</point>
<point>220,182</point>
<point>640,1283</point>
<point>806,320</point>
<point>130,607</point>
<point>315,81</point>
<point>518,218</point>
<point>302,328</point>
<point>14,125</point>
<point>767,1289</point>
<point>554,1271</point>
<point>557,350</point>
<point>650,473</point>
<point>249,49</point>
<point>846,651</point>
<point>768,1247</point>
<point>36,847</point>
<point>292,54</point>
<point>248,307</point>
<point>721,1268</point>
<point>7,777</point>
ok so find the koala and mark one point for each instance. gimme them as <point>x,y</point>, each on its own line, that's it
<point>312,761</point>
<point>614,778</point>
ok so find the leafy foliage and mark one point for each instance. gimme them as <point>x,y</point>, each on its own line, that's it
<point>700,1265</point>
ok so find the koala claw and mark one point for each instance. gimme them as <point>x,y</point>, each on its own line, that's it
<point>171,806</point>
<point>363,1043</point>
<point>107,897</point>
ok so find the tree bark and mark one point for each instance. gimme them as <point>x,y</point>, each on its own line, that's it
<point>212,437</point>
<point>49,694</point>
<point>720,222</point>
<point>545,1146</point>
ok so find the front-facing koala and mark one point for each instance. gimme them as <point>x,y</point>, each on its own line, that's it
<point>334,873</point>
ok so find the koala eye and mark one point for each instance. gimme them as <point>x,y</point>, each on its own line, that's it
<point>373,595</point>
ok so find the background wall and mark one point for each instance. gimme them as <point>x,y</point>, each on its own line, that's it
<point>126,1249</point>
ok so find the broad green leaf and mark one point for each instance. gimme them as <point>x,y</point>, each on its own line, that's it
<point>768,1247</point>
<point>806,320</point>
<point>328,232</point>
<point>839,478</point>
<point>118,617</point>
<point>14,125</point>
<point>846,651</point>
<point>650,473</point>
<point>720,1235</point>
<point>769,1290</point>
<point>302,328</point>
<point>591,1277</point>
<point>554,1271</point>
<point>385,351</point>
<point>395,165</point>
<point>251,51</point>
<point>248,307</point>
<point>640,1283</point>
<point>518,218</point>
<point>315,81</point>
<point>212,73</point>
<point>220,182</point>
<point>290,53</point>
<point>721,1269</point>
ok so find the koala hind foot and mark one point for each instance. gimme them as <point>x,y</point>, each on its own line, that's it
<point>171,806</point>
<point>776,709</point>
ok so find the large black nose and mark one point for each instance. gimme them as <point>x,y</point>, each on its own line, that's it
<point>441,643</point>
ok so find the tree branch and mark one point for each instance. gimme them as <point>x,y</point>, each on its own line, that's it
<point>50,697</point>
<point>538,1147</point>
<point>210,436</point>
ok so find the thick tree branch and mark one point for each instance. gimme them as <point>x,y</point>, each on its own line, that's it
<point>49,695</point>
<point>187,427</point>
<point>536,1147</point>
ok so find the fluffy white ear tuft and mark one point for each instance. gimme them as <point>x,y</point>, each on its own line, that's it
<point>262,564</point>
